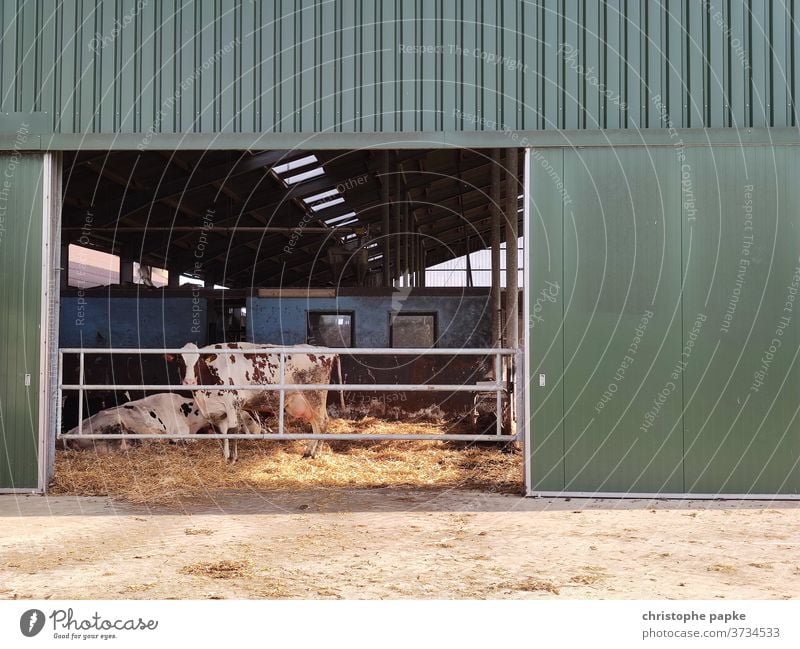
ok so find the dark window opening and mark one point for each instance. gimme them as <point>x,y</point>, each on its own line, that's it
<point>413,330</point>
<point>330,329</point>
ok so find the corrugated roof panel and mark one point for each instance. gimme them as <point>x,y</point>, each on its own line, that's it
<point>304,66</point>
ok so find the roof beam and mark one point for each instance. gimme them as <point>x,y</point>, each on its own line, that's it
<point>177,188</point>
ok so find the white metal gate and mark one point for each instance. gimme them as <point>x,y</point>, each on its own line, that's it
<point>498,387</point>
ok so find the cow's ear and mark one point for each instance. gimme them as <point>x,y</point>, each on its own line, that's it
<point>169,357</point>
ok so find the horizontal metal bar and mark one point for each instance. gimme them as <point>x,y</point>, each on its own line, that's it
<point>393,140</point>
<point>298,436</point>
<point>647,495</point>
<point>221,229</point>
<point>342,351</point>
<point>294,387</point>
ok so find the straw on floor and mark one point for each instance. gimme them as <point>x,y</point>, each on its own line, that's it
<point>159,472</point>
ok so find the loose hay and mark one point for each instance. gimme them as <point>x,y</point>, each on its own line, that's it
<point>725,569</point>
<point>138,588</point>
<point>587,579</point>
<point>534,585</point>
<point>219,569</point>
<point>156,472</point>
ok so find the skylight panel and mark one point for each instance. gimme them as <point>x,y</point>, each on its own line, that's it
<point>295,164</point>
<point>326,204</point>
<point>322,195</point>
<point>305,175</point>
<point>343,217</point>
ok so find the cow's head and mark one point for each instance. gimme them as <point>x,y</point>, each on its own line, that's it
<point>190,356</point>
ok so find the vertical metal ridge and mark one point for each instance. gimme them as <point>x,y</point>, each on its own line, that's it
<point>19,78</point>
<point>792,63</point>
<point>298,68</point>
<point>560,79</point>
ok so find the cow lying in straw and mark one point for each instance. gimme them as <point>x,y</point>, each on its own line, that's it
<point>157,414</point>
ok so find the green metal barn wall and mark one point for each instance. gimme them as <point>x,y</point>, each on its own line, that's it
<point>664,313</point>
<point>21,196</point>
<point>384,66</point>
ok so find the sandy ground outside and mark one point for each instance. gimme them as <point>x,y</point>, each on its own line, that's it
<point>397,543</point>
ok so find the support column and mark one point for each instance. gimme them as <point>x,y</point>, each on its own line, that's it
<point>512,219</point>
<point>125,271</point>
<point>412,246</point>
<point>512,297</point>
<point>397,230</point>
<point>422,264</point>
<point>406,241</point>
<point>495,210</point>
<point>385,194</point>
<point>64,265</point>
<point>468,259</point>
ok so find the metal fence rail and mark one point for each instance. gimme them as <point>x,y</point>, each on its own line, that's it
<point>497,386</point>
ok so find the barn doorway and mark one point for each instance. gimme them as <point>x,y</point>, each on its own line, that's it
<point>372,250</point>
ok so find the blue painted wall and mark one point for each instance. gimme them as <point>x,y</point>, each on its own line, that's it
<point>462,320</point>
<point>100,322</point>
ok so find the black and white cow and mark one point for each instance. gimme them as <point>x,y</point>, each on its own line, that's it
<point>213,365</point>
<point>164,413</point>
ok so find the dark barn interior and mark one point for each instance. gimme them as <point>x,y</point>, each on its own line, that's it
<point>265,228</point>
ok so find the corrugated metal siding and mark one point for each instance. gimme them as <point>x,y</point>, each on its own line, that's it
<point>20,297</point>
<point>742,381</point>
<point>297,66</point>
<point>622,268</point>
<point>663,312</point>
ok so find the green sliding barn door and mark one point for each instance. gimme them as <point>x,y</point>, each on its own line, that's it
<point>662,311</point>
<point>21,219</point>
<point>742,258</point>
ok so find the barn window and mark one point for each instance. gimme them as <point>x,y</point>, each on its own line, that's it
<point>330,329</point>
<point>413,330</point>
